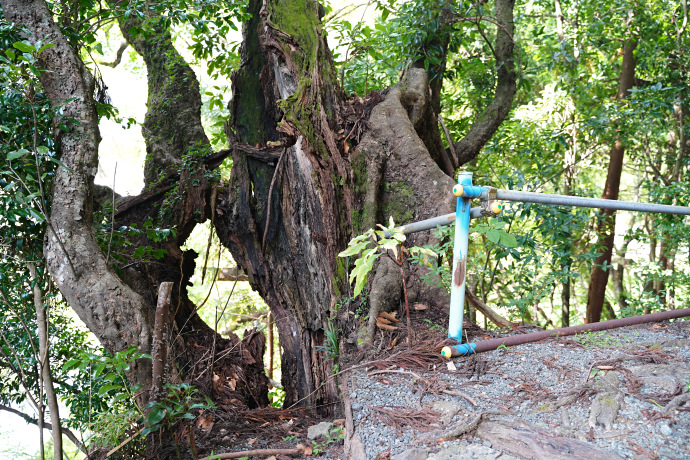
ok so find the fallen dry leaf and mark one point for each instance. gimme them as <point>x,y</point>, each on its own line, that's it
<point>205,423</point>
<point>420,306</point>
<point>386,327</point>
<point>389,316</point>
<point>252,441</point>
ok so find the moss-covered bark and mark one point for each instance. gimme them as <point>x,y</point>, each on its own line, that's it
<point>286,93</point>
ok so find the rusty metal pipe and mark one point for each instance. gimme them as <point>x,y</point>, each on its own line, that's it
<point>492,344</point>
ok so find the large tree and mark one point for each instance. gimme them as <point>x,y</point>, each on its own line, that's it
<point>300,187</point>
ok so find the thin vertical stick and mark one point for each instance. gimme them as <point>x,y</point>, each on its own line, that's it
<point>407,304</point>
<point>159,349</point>
<point>270,345</point>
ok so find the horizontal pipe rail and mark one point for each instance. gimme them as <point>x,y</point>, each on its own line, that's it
<point>434,222</point>
<point>492,344</point>
<point>583,202</point>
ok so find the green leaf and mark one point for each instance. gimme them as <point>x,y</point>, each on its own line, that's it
<point>24,47</point>
<point>155,416</point>
<point>362,268</point>
<point>45,47</point>
<point>71,364</point>
<point>354,249</point>
<point>60,163</point>
<point>493,235</point>
<point>106,388</point>
<point>16,154</point>
<point>508,240</point>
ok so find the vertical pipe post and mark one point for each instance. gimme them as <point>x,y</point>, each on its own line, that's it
<point>457,290</point>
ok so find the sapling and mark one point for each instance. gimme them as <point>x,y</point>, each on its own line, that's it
<point>371,245</point>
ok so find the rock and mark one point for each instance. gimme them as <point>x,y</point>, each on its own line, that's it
<point>604,410</point>
<point>665,429</point>
<point>448,409</point>
<point>412,454</point>
<point>323,429</point>
<point>662,377</point>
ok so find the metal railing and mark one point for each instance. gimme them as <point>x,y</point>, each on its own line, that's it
<point>490,199</point>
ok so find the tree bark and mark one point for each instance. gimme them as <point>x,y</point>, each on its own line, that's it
<point>607,218</point>
<point>108,307</point>
<point>286,93</point>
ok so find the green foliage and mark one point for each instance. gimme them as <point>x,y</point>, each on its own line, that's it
<point>102,397</point>
<point>177,405</point>
<point>600,339</point>
<point>387,239</point>
<point>335,435</point>
<point>331,345</point>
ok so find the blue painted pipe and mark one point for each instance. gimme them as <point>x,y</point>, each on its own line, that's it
<point>458,350</point>
<point>461,241</point>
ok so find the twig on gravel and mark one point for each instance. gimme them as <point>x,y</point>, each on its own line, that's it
<point>395,371</point>
<point>677,402</point>
<point>399,415</point>
<point>461,394</point>
<point>458,429</point>
<point>463,428</point>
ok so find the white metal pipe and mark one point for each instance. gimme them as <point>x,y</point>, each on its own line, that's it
<point>583,202</point>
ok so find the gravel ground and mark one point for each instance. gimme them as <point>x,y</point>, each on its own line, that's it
<point>571,390</point>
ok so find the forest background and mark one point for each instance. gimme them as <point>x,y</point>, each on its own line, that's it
<point>572,116</point>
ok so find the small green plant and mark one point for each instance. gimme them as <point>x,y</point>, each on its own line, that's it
<point>112,413</point>
<point>389,240</point>
<point>276,396</point>
<point>502,347</point>
<point>336,434</point>
<point>177,405</point>
<point>599,339</point>
<point>331,345</point>
<point>432,326</point>
<point>688,384</point>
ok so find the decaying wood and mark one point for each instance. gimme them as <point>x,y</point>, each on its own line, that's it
<point>458,429</point>
<point>300,450</point>
<point>524,441</point>
<point>232,274</point>
<point>159,350</point>
<point>349,420</point>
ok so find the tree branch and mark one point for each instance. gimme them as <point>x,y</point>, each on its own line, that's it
<point>468,148</point>
<point>29,419</point>
<point>118,56</point>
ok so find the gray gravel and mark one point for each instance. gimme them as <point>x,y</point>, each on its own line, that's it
<point>529,383</point>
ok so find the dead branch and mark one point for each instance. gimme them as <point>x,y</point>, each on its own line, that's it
<point>299,450</point>
<point>488,312</point>
<point>159,351</point>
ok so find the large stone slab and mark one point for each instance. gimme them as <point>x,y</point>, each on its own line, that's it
<point>520,439</point>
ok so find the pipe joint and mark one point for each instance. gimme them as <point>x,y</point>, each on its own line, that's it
<point>467,191</point>
<point>458,350</point>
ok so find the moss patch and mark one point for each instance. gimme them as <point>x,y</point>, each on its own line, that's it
<point>399,199</point>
